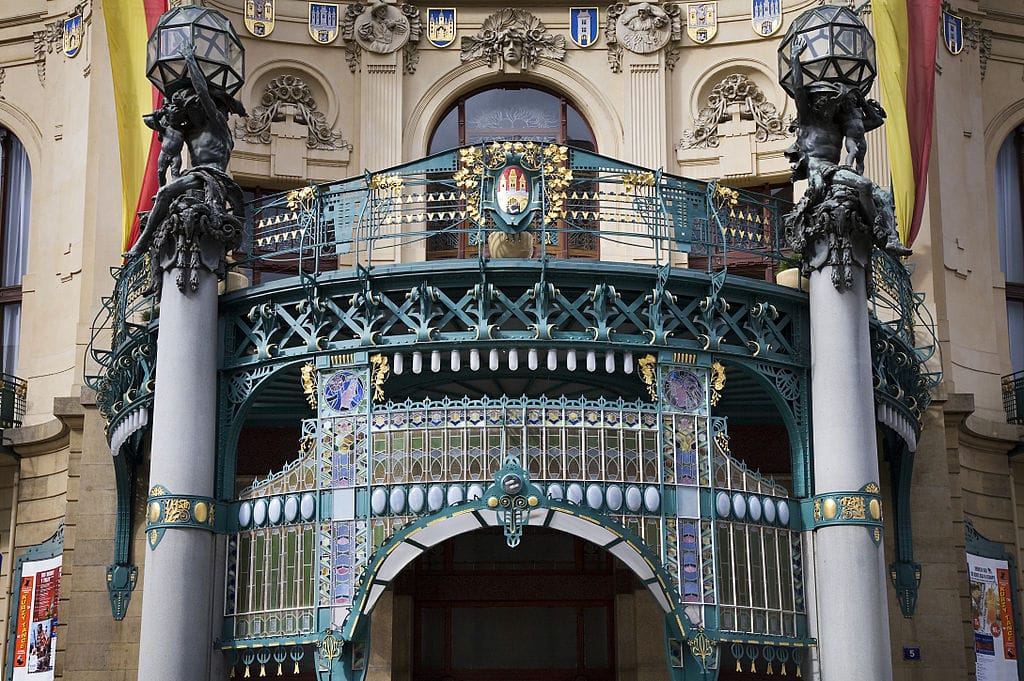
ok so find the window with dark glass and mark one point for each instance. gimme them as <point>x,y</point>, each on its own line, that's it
<point>513,112</point>
<point>15,195</point>
<point>1010,220</point>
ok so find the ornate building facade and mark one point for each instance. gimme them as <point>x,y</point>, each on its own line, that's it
<point>513,376</point>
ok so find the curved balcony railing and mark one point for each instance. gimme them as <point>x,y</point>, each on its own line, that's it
<point>589,205</point>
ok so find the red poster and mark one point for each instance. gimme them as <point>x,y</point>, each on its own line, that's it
<point>1006,608</point>
<point>47,588</point>
<point>21,635</point>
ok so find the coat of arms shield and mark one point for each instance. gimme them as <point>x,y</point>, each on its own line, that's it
<point>766,16</point>
<point>73,32</point>
<point>323,22</point>
<point>701,21</point>
<point>953,32</point>
<point>441,26</point>
<point>583,25</point>
<point>511,187</point>
<point>259,17</point>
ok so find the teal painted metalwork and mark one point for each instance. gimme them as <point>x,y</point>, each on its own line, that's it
<point>165,510</point>
<point>861,507</point>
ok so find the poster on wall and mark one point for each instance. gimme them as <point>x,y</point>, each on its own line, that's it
<point>35,637</point>
<point>995,639</point>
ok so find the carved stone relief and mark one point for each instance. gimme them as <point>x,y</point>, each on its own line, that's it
<point>513,37</point>
<point>735,98</point>
<point>288,99</point>
<point>382,29</point>
<point>45,42</point>
<point>643,28</point>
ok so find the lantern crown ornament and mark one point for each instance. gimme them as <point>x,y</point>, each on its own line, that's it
<point>839,50</point>
<point>217,47</point>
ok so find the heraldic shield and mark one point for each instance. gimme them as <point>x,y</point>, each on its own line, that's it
<point>512,188</point>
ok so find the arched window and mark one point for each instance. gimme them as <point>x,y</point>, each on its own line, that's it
<point>513,112</point>
<point>15,198</point>
<point>1010,219</point>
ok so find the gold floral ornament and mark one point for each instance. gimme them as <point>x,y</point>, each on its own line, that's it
<point>630,181</point>
<point>717,382</point>
<point>378,375</point>
<point>649,374</point>
<point>308,372</point>
<point>176,510</point>
<point>302,198</point>
<point>467,178</point>
<point>724,196</point>
<point>557,178</point>
<point>387,183</point>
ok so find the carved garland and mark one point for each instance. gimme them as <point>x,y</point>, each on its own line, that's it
<point>290,89</point>
<point>734,89</point>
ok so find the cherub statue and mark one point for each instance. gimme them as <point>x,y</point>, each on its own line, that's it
<point>167,121</point>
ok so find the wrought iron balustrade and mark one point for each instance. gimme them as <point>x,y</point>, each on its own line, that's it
<point>1013,397</point>
<point>12,400</point>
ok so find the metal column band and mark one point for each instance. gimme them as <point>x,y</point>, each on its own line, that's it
<point>180,511</point>
<point>861,507</point>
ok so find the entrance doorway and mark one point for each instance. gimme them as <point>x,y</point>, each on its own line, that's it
<point>543,611</point>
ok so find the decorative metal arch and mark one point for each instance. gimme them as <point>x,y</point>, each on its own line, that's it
<point>412,540</point>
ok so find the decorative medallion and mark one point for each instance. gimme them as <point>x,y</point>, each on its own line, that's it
<point>513,37</point>
<point>259,17</point>
<point>684,390</point>
<point>73,31</point>
<point>343,391</point>
<point>323,22</point>
<point>583,24</point>
<point>766,16</point>
<point>952,32</point>
<point>701,21</point>
<point>441,26</point>
<point>643,28</point>
<point>384,29</point>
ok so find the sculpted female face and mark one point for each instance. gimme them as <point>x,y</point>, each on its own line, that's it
<point>511,48</point>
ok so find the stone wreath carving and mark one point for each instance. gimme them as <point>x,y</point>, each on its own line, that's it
<point>642,29</point>
<point>734,89</point>
<point>382,29</point>
<point>291,90</point>
<point>513,37</point>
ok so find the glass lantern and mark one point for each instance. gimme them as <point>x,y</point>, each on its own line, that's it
<point>840,49</point>
<point>218,50</point>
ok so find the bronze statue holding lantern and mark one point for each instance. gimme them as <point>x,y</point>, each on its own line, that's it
<point>826,63</point>
<point>197,61</point>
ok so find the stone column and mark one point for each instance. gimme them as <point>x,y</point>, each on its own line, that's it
<point>849,566</point>
<point>645,134</point>
<point>380,114</point>
<point>380,125</point>
<point>176,640</point>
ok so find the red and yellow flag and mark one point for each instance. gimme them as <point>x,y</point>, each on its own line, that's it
<point>906,33</point>
<point>128,24</point>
